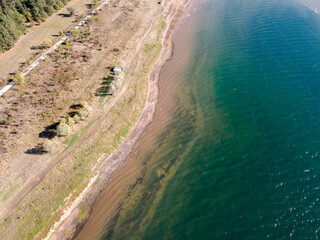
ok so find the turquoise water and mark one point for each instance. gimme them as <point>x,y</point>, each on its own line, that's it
<point>240,158</point>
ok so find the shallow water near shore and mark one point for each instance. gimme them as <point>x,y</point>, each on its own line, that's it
<point>233,152</point>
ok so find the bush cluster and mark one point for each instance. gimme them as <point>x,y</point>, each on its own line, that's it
<point>50,145</point>
<point>117,78</point>
<point>116,82</point>
<point>64,127</point>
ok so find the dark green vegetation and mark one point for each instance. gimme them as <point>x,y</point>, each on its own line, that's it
<point>14,15</point>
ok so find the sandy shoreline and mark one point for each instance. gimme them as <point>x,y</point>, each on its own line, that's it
<point>68,222</point>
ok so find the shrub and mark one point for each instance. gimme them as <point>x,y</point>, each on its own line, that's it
<point>62,120</point>
<point>119,73</point>
<point>18,79</point>
<point>50,145</point>
<point>83,114</point>
<point>95,2</point>
<point>118,77</point>
<point>77,118</point>
<point>66,44</point>
<point>70,121</point>
<point>74,31</point>
<point>85,106</point>
<point>112,88</point>
<point>4,122</point>
<point>93,18</point>
<point>118,81</point>
<point>63,129</point>
<point>71,11</point>
<point>47,42</point>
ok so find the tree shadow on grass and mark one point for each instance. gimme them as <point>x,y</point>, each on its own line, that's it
<point>104,89</point>
<point>50,131</point>
<point>89,5</point>
<point>40,47</point>
<point>64,15</point>
<point>37,150</point>
<point>23,64</point>
<point>73,113</point>
<point>76,106</point>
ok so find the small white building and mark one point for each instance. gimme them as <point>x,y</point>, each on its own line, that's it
<point>117,69</point>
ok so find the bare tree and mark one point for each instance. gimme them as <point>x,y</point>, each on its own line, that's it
<point>71,11</point>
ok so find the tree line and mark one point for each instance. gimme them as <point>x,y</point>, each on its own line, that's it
<point>15,13</point>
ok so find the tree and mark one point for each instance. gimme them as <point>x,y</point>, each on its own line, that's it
<point>71,11</point>
<point>95,2</point>
<point>74,31</point>
<point>18,79</point>
<point>63,129</point>
<point>47,42</point>
<point>50,145</point>
<point>6,40</point>
<point>83,114</point>
<point>112,88</point>
<point>49,10</point>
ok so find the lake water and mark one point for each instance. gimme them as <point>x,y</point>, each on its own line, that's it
<point>237,153</point>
